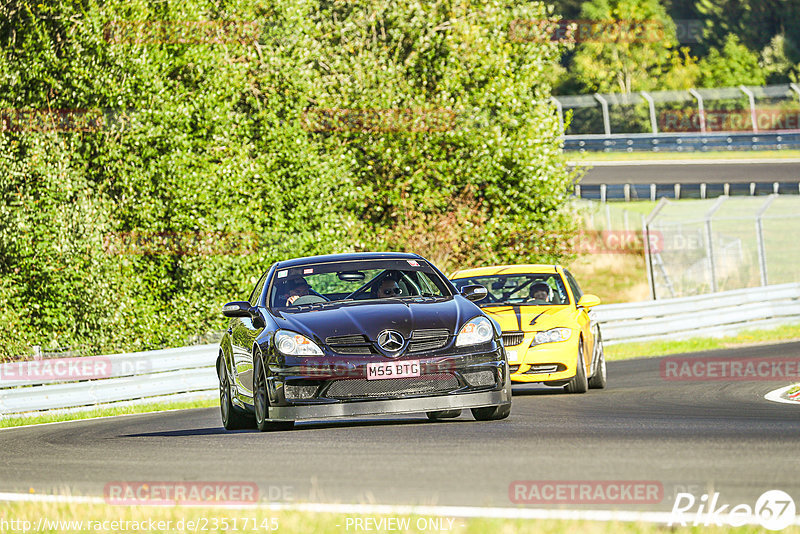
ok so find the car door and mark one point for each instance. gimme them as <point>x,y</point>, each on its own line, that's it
<point>243,335</point>
<point>584,319</point>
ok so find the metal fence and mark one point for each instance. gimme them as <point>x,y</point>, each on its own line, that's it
<point>743,108</point>
<point>721,244</point>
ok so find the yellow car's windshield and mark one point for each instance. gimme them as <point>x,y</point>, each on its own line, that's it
<point>543,289</point>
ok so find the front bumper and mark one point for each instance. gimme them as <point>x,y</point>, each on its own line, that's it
<point>394,406</point>
<point>314,388</point>
<point>524,360</point>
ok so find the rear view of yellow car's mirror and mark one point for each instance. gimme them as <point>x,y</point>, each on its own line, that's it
<point>588,301</point>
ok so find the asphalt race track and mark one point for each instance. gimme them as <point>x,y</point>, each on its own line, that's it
<point>666,172</point>
<point>687,436</point>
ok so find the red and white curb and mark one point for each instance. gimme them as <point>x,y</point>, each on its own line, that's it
<point>783,395</point>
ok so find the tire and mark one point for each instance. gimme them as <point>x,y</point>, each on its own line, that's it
<point>443,414</point>
<point>579,383</point>
<point>598,379</point>
<point>491,413</point>
<point>261,400</point>
<point>233,417</point>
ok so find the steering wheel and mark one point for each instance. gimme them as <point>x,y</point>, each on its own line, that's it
<point>309,299</point>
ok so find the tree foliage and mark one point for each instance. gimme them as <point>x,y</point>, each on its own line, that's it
<point>203,157</point>
<point>731,66</point>
<point>625,62</point>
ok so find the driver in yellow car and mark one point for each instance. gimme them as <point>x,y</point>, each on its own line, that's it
<point>541,291</point>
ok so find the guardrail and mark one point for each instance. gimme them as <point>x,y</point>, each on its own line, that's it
<point>50,383</point>
<point>630,192</point>
<point>143,377</point>
<point>714,314</point>
<point>682,142</point>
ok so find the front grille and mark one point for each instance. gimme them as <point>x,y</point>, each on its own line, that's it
<point>513,369</point>
<point>431,339</point>
<point>362,388</point>
<point>480,378</point>
<point>512,339</point>
<point>352,344</point>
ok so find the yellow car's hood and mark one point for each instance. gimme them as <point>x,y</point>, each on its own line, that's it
<point>516,318</point>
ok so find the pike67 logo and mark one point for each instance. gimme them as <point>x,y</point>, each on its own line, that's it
<point>774,510</point>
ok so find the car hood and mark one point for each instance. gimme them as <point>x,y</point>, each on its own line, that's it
<point>530,318</point>
<point>372,317</point>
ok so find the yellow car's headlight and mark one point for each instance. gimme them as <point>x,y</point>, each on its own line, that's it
<point>551,336</point>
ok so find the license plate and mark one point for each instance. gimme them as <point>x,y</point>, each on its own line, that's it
<point>512,356</point>
<point>383,370</point>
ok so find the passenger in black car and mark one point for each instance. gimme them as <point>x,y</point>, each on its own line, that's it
<point>386,289</point>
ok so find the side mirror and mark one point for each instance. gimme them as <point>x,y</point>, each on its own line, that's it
<point>474,292</point>
<point>588,301</point>
<point>237,309</point>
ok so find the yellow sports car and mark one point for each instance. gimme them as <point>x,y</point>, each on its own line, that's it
<point>548,331</point>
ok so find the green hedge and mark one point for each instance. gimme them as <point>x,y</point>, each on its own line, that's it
<point>157,157</point>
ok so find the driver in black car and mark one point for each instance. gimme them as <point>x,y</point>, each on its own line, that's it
<point>296,288</point>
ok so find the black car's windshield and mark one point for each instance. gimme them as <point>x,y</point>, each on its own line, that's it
<point>520,289</point>
<point>320,283</point>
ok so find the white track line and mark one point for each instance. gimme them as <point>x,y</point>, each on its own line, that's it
<point>777,395</point>
<point>438,511</point>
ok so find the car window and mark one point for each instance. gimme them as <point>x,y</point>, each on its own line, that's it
<point>573,284</point>
<point>536,289</point>
<point>256,293</point>
<point>317,284</point>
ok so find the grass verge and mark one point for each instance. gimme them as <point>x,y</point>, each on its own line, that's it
<point>625,351</point>
<point>6,421</point>
<point>666,156</point>
<point>71,517</point>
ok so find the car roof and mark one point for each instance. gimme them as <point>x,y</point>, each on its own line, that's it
<point>533,268</point>
<point>294,262</point>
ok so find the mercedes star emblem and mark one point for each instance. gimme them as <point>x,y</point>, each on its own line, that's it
<point>390,341</point>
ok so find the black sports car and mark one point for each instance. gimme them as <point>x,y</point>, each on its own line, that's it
<point>357,334</point>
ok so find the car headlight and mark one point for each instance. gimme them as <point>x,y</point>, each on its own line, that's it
<point>477,330</point>
<point>551,336</point>
<point>294,344</point>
